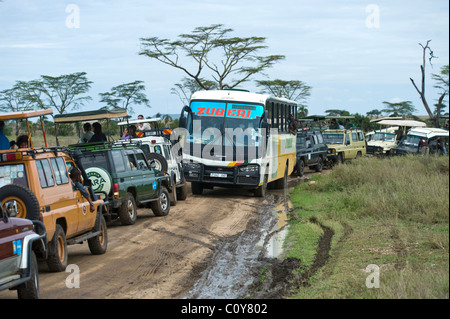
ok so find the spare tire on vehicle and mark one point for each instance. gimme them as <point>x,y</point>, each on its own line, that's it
<point>160,161</point>
<point>19,201</point>
<point>100,178</point>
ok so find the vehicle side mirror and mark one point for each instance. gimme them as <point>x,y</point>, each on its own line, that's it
<point>153,164</point>
<point>347,143</point>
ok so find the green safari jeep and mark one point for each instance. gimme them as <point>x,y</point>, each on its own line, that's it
<point>122,174</point>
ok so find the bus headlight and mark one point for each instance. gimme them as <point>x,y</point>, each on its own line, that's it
<point>249,169</point>
<point>192,167</point>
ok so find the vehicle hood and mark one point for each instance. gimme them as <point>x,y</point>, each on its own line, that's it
<point>382,144</point>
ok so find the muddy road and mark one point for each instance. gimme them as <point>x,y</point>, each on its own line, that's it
<point>209,246</point>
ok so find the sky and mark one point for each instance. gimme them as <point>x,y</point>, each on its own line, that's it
<point>354,54</point>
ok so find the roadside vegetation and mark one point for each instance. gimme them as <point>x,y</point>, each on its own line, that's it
<point>388,212</point>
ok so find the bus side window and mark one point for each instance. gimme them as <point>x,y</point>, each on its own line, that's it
<point>270,114</point>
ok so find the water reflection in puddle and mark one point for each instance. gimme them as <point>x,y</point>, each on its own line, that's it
<point>274,245</point>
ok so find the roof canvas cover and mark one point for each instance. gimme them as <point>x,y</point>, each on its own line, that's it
<point>101,114</point>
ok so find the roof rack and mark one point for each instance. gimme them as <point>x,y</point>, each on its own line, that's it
<point>89,147</point>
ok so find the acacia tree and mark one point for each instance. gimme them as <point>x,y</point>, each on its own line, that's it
<point>292,90</point>
<point>16,99</point>
<point>237,56</point>
<point>125,95</point>
<point>433,116</point>
<point>442,83</point>
<point>188,86</point>
<point>398,109</point>
<point>60,92</point>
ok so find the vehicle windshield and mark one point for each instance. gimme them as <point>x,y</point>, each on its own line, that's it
<point>225,123</point>
<point>386,137</point>
<point>333,138</point>
<point>411,140</point>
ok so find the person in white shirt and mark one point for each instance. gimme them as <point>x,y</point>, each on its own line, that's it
<point>142,126</point>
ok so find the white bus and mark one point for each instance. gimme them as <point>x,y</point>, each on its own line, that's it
<point>235,138</point>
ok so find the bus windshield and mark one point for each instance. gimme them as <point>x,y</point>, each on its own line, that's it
<point>225,123</point>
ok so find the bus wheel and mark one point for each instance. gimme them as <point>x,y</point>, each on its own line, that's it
<point>261,190</point>
<point>282,182</point>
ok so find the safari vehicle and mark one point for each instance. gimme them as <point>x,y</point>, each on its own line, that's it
<point>121,173</point>
<point>344,144</point>
<point>410,143</point>
<point>21,240</point>
<point>381,142</point>
<point>311,151</point>
<point>158,148</point>
<point>36,186</point>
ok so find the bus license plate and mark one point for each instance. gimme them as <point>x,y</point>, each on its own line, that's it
<point>218,175</point>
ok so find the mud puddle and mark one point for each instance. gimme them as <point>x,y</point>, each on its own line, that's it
<point>241,261</point>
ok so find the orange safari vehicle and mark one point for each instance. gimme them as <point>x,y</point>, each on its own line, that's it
<point>35,184</point>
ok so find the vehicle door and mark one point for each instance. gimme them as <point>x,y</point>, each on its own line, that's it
<point>322,147</point>
<point>171,162</point>
<point>309,143</point>
<point>362,142</point>
<point>141,176</point>
<point>315,149</point>
<point>348,147</point>
<point>61,170</point>
<point>57,197</point>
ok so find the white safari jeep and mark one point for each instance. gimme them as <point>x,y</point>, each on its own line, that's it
<point>158,149</point>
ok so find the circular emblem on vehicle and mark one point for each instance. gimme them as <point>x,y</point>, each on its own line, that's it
<point>100,178</point>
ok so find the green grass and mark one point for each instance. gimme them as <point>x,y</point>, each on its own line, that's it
<point>391,212</point>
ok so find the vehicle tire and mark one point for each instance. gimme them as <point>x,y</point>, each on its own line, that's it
<point>57,251</point>
<point>161,206</point>
<point>340,159</point>
<point>25,201</point>
<point>197,188</point>
<point>99,244</point>
<point>282,182</point>
<point>173,195</point>
<point>161,163</point>
<point>300,167</point>
<point>261,190</point>
<point>128,210</point>
<point>319,165</point>
<point>182,192</point>
<point>100,178</point>
<point>30,289</point>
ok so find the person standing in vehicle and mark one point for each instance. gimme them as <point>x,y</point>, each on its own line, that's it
<point>142,126</point>
<point>98,136</point>
<point>87,135</point>
<point>423,146</point>
<point>4,142</point>
<point>22,141</point>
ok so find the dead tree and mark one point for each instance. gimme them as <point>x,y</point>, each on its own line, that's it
<point>433,117</point>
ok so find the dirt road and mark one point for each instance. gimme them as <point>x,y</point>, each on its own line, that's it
<point>217,235</point>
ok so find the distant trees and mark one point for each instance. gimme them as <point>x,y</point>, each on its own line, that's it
<point>292,90</point>
<point>398,109</point>
<point>126,95</point>
<point>215,50</point>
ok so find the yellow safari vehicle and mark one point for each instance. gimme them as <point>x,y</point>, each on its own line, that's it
<point>35,184</point>
<point>344,144</point>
